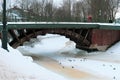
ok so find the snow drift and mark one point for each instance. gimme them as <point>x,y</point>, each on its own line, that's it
<point>15,66</point>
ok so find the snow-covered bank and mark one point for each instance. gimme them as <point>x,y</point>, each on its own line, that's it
<point>101,64</point>
<point>15,66</point>
<point>115,48</point>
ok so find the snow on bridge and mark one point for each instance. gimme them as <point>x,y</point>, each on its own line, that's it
<point>18,25</point>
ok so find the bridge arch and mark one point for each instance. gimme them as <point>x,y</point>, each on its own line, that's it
<point>80,36</point>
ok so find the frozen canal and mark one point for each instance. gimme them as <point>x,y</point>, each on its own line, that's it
<point>59,55</point>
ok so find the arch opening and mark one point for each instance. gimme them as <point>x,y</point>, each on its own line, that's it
<point>80,36</point>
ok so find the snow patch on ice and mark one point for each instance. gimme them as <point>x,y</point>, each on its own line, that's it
<point>48,44</point>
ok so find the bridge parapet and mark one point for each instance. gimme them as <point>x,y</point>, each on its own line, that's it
<point>76,25</point>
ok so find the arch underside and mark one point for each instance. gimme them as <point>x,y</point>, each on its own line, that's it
<point>80,36</point>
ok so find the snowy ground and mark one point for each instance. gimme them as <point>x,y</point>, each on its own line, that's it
<point>15,66</point>
<point>58,59</point>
